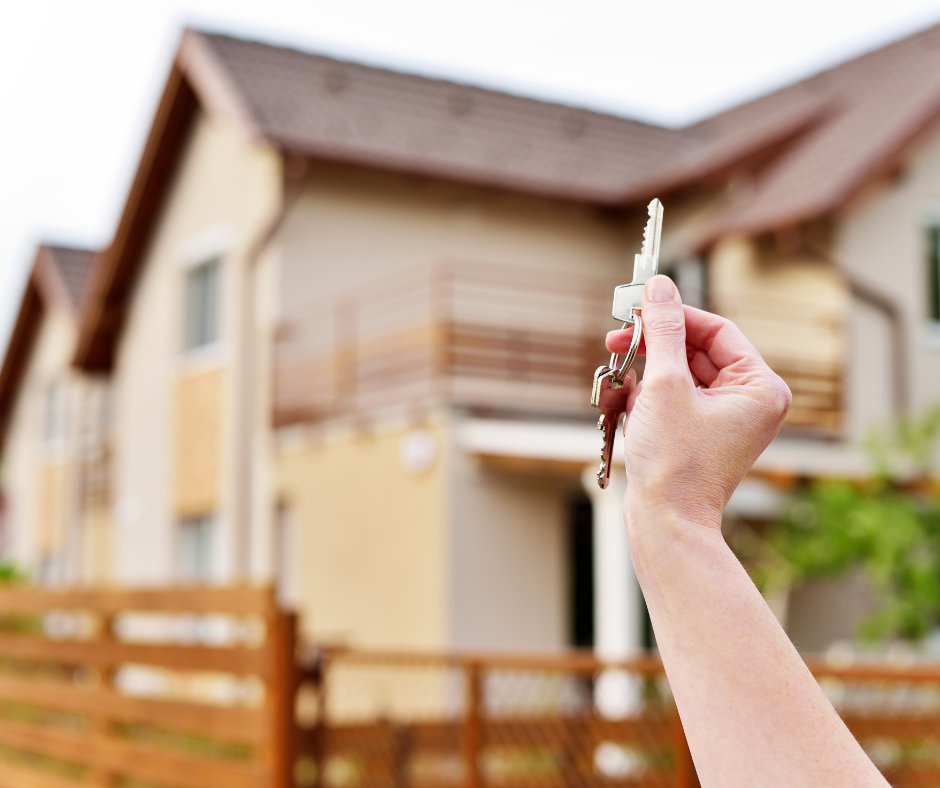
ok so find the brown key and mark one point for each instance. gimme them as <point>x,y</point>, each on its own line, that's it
<point>609,396</point>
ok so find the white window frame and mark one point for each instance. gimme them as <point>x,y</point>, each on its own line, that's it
<point>213,244</point>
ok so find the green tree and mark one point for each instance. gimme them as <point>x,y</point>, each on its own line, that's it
<point>889,525</point>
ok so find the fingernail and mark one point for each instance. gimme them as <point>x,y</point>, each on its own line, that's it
<point>660,288</point>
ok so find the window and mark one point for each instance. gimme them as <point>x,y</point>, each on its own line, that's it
<point>54,414</point>
<point>194,550</point>
<point>933,272</point>
<point>202,305</point>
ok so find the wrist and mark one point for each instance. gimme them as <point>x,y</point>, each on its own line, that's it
<point>658,531</point>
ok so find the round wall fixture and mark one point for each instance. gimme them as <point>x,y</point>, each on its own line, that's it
<point>418,451</point>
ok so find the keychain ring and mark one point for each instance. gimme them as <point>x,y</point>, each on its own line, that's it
<point>631,353</point>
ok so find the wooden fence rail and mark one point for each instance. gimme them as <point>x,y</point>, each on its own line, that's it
<point>389,720</point>
<point>198,688</point>
<point>181,688</point>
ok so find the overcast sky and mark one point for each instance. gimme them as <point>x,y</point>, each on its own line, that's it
<point>79,81</point>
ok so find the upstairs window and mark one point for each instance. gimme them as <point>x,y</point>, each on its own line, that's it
<point>933,272</point>
<point>202,305</point>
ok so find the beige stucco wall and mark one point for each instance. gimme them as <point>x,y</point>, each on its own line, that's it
<point>500,556</point>
<point>508,561</point>
<point>27,460</point>
<point>373,538</point>
<point>222,198</point>
<point>350,224</point>
<point>882,242</point>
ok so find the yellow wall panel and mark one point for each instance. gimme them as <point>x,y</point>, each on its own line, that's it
<point>197,466</point>
<point>51,507</point>
<point>372,557</point>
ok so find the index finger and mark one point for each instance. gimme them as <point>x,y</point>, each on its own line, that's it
<point>716,336</point>
<point>721,339</point>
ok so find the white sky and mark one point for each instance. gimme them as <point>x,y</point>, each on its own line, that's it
<point>79,81</point>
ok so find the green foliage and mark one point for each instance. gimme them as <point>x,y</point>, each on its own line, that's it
<point>889,526</point>
<point>11,574</point>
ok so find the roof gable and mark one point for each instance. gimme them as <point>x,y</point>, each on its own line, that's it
<point>828,136</point>
<point>57,281</point>
<point>878,105</point>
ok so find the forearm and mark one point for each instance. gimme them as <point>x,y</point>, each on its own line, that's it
<point>752,712</point>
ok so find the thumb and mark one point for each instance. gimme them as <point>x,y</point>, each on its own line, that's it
<point>664,328</point>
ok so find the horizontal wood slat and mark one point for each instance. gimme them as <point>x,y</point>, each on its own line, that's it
<point>198,744</point>
<point>236,725</point>
<point>12,776</point>
<point>650,729</point>
<point>239,601</point>
<point>143,763</point>
<point>108,654</point>
<point>893,726</point>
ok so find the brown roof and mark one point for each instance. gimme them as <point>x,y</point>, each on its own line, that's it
<point>326,108</point>
<point>828,135</point>
<point>877,105</point>
<point>72,267</point>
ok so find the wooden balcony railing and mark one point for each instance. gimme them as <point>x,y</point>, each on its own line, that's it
<point>499,338</point>
<point>477,335</point>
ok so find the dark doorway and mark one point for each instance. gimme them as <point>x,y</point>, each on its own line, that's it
<point>581,572</point>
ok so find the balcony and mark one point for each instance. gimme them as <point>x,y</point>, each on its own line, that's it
<point>492,339</point>
<point>485,337</point>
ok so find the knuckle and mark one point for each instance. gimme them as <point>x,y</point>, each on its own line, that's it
<point>778,396</point>
<point>665,321</point>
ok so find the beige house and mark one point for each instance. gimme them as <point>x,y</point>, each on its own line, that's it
<point>344,335</point>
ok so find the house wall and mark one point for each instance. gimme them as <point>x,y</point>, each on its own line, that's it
<point>508,567</point>
<point>221,200</point>
<point>373,539</point>
<point>37,524</point>
<point>882,242</point>
<point>499,557</point>
<point>350,224</point>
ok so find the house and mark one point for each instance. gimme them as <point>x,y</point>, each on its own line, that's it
<point>349,317</point>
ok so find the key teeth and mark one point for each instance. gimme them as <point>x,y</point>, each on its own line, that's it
<point>651,233</point>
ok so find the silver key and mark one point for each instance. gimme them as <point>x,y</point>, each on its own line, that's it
<point>610,398</point>
<point>607,393</point>
<point>645,266</point>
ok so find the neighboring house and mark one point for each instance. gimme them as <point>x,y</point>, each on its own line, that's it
<point>54,424</point>
<point>349,318</point>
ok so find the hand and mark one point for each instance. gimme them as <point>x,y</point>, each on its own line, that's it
<point>707,407</point>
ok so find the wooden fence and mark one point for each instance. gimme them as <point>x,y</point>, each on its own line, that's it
<point>187,688</point>
<point>430,721</point>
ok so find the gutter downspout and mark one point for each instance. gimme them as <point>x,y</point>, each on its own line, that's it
<point>294,175</point>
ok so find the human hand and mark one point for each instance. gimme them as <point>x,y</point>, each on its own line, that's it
<point>707,407</point>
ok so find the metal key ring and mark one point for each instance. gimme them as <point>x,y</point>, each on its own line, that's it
<point>631,353</point>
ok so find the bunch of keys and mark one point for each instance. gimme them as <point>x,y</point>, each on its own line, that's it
<point>608,394</point>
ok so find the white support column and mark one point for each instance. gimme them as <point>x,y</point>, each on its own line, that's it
<point>618,625</point>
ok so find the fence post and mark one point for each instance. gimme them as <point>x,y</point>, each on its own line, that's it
<point>104,728</point>
<point>685,776</point>
<point>471,727</point>
<point>282,634</point>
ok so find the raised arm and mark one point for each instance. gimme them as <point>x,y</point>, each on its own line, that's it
<point>708,405</point>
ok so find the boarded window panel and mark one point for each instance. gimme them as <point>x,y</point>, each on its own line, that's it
<point>794,310</point>
<point>52,490</point>
<point>198,443</point>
